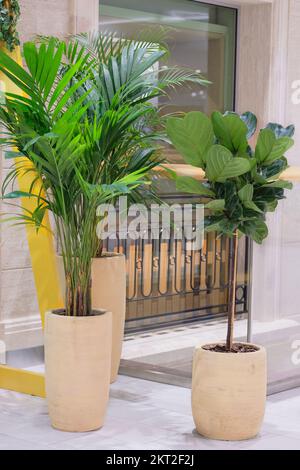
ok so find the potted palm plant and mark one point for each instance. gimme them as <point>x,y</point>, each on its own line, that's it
<point>130,73</point>
<point>54,141</point>
<point>243,184</point>
<point>89,141</point>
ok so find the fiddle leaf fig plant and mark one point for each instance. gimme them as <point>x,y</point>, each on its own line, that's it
<point>242,183</point>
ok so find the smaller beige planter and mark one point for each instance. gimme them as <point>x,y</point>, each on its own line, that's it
<point>109,292</point>
<point>77,362</point>
<point>229,393</point>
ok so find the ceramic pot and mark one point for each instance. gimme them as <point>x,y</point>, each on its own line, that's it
<point>77,369</point>
<point>108,293</point>
<point>229,393</point>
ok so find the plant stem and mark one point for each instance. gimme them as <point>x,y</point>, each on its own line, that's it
<point>232,292</point>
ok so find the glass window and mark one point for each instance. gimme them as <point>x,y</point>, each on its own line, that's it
<point>199,36</point>
<point>167,283</point>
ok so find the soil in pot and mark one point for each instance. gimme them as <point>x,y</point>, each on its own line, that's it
<point>237,348</point>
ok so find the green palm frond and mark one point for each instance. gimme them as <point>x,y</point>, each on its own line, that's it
<point>104,45</point>
<point>130,70</point>
<point>178,76</point>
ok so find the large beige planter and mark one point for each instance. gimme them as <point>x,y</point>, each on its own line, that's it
<point>78,362</point>
<point>109,293</point>
<point>229,393</point>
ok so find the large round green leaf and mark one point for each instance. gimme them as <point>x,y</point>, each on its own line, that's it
<point>246,193</point>
<point>218,205</point>
<point>222,165</point>
<point>256,229</point>
<point>187,184</point>
<point>192,136</point>
<point>269,149</point>
<point>231,131</point>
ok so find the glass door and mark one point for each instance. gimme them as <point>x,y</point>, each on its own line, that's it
<point>166,282</point>
<point>199,36</point>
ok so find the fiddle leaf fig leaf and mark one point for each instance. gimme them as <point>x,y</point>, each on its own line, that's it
<point>251,122</point>
<point>246,196</point>
<point>274,170</point>
<point>271,206</point>
<point>281,146</point>
<point>187,184</point>
<point>270,149</point>
<point>220,225</point>
<point>256,229</point>
<point>217,205</point>
<point>252,206</point>
<point>213,227</point>
<point>221,131</point>
<point>222,165</point>
<point>192,136</point>
<point>281,131</point>
<point>246,193</point>
<point>279,184</point>
<point>264,146</point>
<point>231,131</point>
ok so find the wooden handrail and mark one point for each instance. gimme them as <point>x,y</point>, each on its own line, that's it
<point>291,174</point>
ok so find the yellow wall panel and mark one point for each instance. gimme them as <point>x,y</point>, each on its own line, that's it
<point>42,252</point>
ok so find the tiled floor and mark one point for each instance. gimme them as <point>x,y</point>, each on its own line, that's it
<point>142,415</point>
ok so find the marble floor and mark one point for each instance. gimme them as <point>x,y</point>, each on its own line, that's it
<point>142,415</point>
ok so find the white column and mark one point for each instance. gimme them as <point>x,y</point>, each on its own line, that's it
<point>87,15</point>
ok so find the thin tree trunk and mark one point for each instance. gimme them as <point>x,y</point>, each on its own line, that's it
<point>78,302</point>
<point>232,292</point>
<point>69,296</point>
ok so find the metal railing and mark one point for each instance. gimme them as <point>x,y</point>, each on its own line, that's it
<point>168,283</point>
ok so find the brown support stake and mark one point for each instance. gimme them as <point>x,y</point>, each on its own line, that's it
<point>232,292</point>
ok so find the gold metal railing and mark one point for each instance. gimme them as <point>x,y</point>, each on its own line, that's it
<point>167,282</point>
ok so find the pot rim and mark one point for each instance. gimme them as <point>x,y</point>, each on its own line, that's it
<point>106,255</point>
<point>55,313</point>
<point>260,349</point>
<point>109,255</point>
